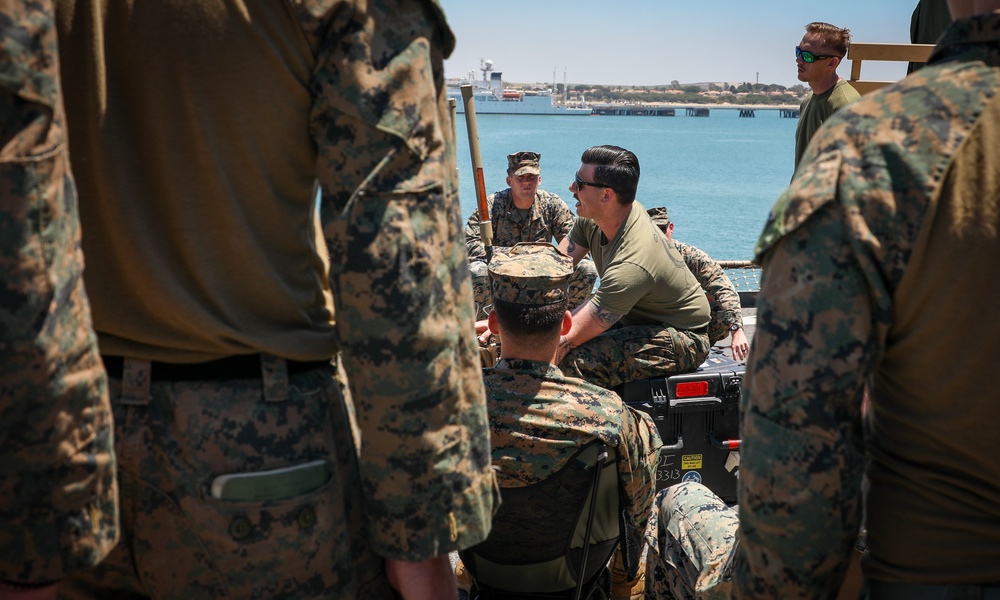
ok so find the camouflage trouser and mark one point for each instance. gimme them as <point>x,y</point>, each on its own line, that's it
<point>692,556</point>
<point>179,541</point>
<point>581,285</point>
<point>623,354</point>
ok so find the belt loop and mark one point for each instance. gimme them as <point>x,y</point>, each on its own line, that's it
<point>274,373</point>
<point>136,375</point>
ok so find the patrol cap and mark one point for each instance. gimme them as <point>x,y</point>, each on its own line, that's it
<point>531,274</point>
<point>524,163</point>
<point>659,216</point>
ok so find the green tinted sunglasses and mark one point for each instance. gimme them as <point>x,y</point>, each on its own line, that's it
<point>809,57</point>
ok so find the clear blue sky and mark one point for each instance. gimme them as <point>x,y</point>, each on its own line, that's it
<point>652,42</point>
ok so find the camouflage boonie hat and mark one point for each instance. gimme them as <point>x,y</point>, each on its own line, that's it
<point>524,163</point>
<point>531,274</point>
<point>659,216</point>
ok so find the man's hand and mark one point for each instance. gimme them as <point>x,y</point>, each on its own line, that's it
<point>741,347</point>
<point>45,593</point>
<point>432,579</point>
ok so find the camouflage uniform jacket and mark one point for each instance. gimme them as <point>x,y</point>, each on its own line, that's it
<point>549,218</point>
<point>845,305</point>
<point>58,499</point>
<point>539,418</point>
<point>723,300</point>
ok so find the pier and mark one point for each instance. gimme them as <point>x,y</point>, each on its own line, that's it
<point>636,110</point>
<point>670,110</point>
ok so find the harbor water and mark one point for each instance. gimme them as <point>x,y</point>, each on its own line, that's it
<point>718,175</point>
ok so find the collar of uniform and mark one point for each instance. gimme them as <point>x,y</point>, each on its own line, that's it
<point>534,367</point>
<point>972,30</point>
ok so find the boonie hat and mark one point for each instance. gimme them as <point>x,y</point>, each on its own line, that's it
<point>524,163</point>
<point>531,274</point>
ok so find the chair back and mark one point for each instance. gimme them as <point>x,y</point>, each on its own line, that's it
<point>538,545</point>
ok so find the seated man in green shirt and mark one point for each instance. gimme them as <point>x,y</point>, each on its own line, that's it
<point>649,316</point>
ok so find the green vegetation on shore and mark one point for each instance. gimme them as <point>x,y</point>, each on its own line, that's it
<point>675,92</point>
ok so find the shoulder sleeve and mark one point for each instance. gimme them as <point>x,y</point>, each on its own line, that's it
<point>58,496</point>
<point>561,218</point>
<point>815,185</point>
<point>802,411</point>
<point>391,218</point>
<point>722,295</point>
<point>638,457</point>
<point>473,240</point>
<point>580,233</point>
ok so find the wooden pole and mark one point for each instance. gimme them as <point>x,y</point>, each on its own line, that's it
<point>485,225</point>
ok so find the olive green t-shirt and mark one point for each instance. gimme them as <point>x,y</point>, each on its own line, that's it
<point>642,276</point>
<point>817,108</point>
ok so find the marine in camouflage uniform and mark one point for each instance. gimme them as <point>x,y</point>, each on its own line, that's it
<point>539,417</point>
<point>877,273</point>
<point>548,217</point>
<point>723,299</point>
<point>220,295</point>
<point>58,497</point>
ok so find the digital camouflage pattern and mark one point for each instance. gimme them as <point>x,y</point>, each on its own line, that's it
<point>723,299</point>
<point>531,274</point>
<point>58,499</point>
<point>422,485</point>
<point>878,178</point>
<point>390,213</point>
<point>548,218</point>
<point>524,163</point>
<point>692,553</point>
<point>539,418</point>
<point>623,354</point>
<point>193,546</point>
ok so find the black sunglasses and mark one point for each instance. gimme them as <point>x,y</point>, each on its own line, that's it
<point>809,57</point>
<point>580,184</point>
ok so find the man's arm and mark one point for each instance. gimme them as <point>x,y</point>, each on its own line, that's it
<point>638,456</point>
<point>58,496</point>
<point>398,272</point>
<point>722,296</point>
<point>589,321</point>
<point>561,219</point>
<point>814,348</point>
<point>431,579</point>
<point>473,241</point>
<point>571,248</point>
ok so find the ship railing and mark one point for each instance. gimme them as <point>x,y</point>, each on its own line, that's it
<point>862,51</point>
<point>745,276</point>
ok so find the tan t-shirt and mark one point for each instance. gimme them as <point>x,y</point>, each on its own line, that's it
<point>643,277</point>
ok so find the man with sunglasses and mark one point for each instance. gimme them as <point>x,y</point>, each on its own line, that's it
<point>523,213</point>
<point>817,56</point>
<point>649,316</point>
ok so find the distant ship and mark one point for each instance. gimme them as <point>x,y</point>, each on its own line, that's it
<point>491,98</point>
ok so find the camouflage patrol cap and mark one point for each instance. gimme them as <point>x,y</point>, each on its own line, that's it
<point>659,216</point>
<point>531,274</point>
<point>524,163</point>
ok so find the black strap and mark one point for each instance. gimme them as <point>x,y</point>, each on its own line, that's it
<point>245,366</point>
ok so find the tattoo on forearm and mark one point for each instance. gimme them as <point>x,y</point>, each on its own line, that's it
<point>606,317</point>
<point>571,248</point>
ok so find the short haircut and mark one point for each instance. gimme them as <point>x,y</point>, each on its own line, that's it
<point>616,167</point>
<point>538,322</point>
<point>832,36</point>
